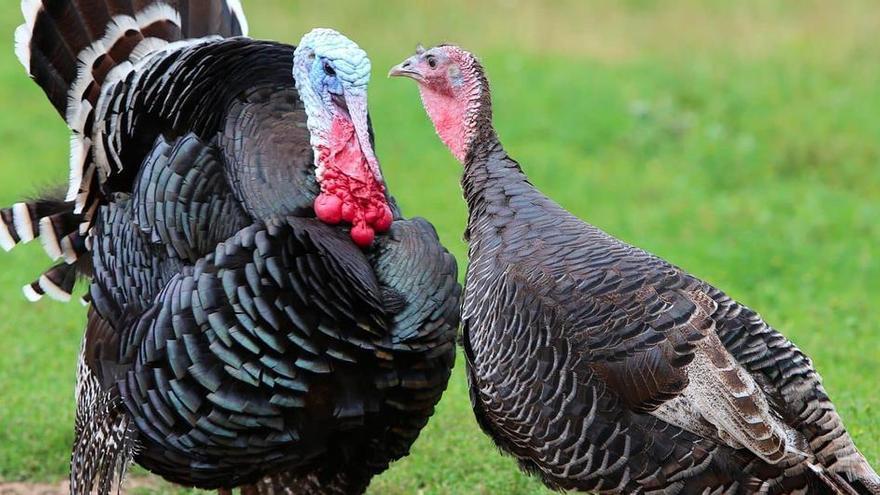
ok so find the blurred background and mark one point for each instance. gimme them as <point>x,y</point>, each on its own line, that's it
<point>739,140</point>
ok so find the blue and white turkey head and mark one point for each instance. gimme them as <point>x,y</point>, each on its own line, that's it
<point>332,74</point>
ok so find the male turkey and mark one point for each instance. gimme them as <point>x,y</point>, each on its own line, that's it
<point>237,328</point>
<point>601,367</point>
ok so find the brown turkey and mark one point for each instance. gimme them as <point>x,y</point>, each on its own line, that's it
<point>601,367</point>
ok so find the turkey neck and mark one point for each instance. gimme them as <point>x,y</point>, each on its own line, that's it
<point>462,117</point>
<point>489,177</point>
<point>486,170</point>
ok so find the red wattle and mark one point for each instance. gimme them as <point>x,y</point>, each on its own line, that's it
<point>349,191</point>
<point>348,211</point>
<point>383,223</point>
<point>328,208</point>
<point>371,215</point>
<point>362,235</point>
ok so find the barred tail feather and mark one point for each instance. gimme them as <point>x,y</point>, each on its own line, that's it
<point>54,231</point>
<point>53,223</point>
<point>73,49</point>
<point>26,221</point>
<point>216,17</point>
<point>56,282</point>
<point>238,14</point>
<point>62,40</point>
<point>73,246</point>
<point>69,47</point>
<point>23,221</point>
<point>8,237</point>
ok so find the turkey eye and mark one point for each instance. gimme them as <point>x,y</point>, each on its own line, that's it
<point>328,69</point>
<point>432,62</point>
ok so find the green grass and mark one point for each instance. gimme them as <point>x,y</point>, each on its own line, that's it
<point>738,140</point>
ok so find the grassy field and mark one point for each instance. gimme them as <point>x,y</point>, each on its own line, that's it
<point>740,140</point>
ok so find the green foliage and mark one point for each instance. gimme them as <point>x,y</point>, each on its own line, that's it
<point>738,140</point>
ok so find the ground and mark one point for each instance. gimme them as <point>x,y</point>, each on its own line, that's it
<point>739,140</point>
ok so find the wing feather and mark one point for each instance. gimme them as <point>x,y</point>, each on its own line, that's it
<point>656,347</point>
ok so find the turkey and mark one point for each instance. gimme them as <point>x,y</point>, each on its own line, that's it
<point>603,368</point>
<point>259,308</point>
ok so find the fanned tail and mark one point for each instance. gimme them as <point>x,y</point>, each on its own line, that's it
<point>73,49</point>
<point>67,45</point>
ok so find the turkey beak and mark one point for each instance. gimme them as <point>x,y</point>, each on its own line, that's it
<point>407,68</point>
<point>356,101</point>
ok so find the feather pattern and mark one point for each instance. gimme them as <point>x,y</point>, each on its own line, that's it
<point>104,438</point>
<point>603,368</point>
<point>73,48</point>
<point>297,337</point>
<point>233,338</point>
<point>50,220</point>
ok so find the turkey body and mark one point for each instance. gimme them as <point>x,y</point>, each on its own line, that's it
<point>232,336</point>
<point>603,368</point>
<point>244,365</point>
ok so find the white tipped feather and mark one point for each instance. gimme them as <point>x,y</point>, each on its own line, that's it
<point>84,302</point>
<point>115,31</point>
<point>99,149</point>
<point>76,115</point>
<point>23,46</point>
<point>79,110</point>
<point>30,294</point>
<point>84,61</point>
<point>53,290</point>
<point>85,226</point>
<point>117,27</point>
<point>48,238</point>
<point>21,217</point>
<point>29,10</point>
<point>23,34</point>
<point>158,12</point>
<point>118,72</point>
<point>87,154</point>
<point>114,141</point>
<point>78,122</point>
<point>237,9</point>
<point>146,47</point>
<point>68,251</point>
<point>6,240</point>
<point>77,161</point>
<point>86,184</point>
